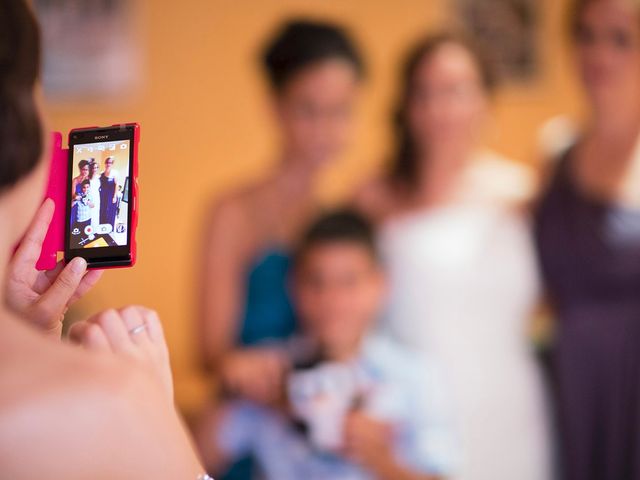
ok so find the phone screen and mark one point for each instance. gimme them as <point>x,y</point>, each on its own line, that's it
<point>99,202</point>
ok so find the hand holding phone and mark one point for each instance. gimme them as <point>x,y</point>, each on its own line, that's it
<point>43,297</point>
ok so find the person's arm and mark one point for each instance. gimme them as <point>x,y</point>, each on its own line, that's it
<point>221,282</point>
<point>145,409</point>
<point>387,468</point>
<point>369,442</point>
<point>253,373</point>
<point>116,181</point>
<point>225,433</point>
<point>43,298</point>
<point>74,183</point>
<point>106,421</point>
<point>102,414</point>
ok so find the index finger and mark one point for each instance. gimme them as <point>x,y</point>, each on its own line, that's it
<point>29,250</point>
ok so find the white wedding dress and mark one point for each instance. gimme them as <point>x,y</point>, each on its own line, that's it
<point>463,286</point>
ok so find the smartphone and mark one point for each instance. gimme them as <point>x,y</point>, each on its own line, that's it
<point>102,196</point>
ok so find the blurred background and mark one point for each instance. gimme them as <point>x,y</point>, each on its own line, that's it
<point>188,72</point>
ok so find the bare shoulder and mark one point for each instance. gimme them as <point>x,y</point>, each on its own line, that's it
<point>234,209</point>
<point>505,180</point>
<point>74,415</point>
<point>229,209</point>
<point>227,224</point>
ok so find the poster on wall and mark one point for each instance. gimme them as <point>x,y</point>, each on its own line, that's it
<point>507,31</point>
<point>91,49</point>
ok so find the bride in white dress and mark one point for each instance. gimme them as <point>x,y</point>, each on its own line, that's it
<point>462,269</point>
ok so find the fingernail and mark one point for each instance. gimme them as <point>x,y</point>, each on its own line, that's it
<point>78,265</point>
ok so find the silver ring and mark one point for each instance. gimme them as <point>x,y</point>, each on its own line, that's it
<point>138,329</point>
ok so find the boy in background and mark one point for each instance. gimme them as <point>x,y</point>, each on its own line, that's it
<point>356,406</point>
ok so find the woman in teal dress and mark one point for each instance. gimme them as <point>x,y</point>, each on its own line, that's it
<point>314,71</point>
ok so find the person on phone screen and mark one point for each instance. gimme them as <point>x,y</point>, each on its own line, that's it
<point>83,205</point>
<point>76,184</point>
<point>100,406</point>
<point>83,169</point>
<point>109,193</point>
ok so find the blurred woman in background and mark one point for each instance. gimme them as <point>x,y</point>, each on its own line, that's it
<point>314,71</point>
<point>461,260</point>
<point>83,174</point>
<point>76,184</point>
<point>588,232</point>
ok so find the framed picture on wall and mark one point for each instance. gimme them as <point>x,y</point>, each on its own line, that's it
<point>507,31</point>
<point>91,48</point>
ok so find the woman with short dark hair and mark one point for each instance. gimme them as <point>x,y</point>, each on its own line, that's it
<point>314,71</point>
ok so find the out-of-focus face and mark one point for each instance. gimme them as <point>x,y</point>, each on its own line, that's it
<point>608,52</point>
<point>339,291</point>
<point>84,171</point>
<point>447,104</point>
<point>316,111</point>
<point>94,168</point>
<point>85,189</point>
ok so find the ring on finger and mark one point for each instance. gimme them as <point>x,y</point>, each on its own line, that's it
<point>139,329</point>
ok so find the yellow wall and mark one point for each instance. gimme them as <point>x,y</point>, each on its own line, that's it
<point>205,128</point>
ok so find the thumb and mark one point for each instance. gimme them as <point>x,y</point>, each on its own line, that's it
<point>52,304</point>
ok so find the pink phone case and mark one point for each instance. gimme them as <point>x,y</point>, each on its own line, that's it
<point>56,191</point>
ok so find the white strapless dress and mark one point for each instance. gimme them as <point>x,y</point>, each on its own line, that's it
<point>464,284</point>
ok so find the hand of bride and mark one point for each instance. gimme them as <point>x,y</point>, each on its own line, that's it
<point>43,298</point>
<point>133,332</point>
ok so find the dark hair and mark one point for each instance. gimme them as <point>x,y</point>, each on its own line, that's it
<point>83,163</point>
<point>575,11</point>
<point>301,43</point>
<point>20,129</point>
<point>85,182</point>
<point>404,168</point>
<point>339,226</point>
<point>576,8</point>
